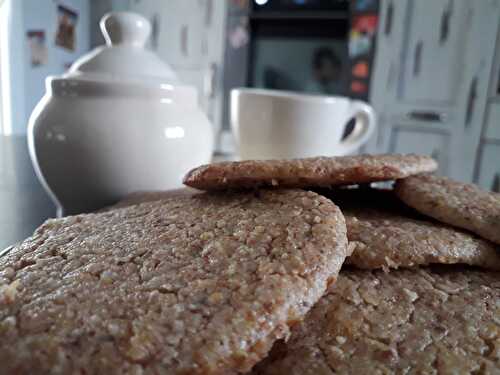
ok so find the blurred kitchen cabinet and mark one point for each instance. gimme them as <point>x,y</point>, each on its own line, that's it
<point>176,29</point>
<point>189,36</point>
<point>435,51</point>
<point>432,74</point>
<point>487,173</point>
<point>434,144</point>
<point>489,167</point>
<point>209,96</point>
<point>492,123</point>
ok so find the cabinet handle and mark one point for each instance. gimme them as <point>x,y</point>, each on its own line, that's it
<point>155,31</point>
<point>435,154</point>
<point>417,58</point>
<point>209,7</point>
<point>427,116</point>
<point>495,186</point>
<point>444,29</point>
<point>471,102</point>
<point>390,76</point>
<point>184,40</point>
<point>380,137</point>
<point>211,81</point>
<point>388,19</point>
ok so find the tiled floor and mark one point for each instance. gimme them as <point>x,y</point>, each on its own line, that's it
<point>24,205</point>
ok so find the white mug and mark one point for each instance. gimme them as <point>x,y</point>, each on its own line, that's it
<point>272,124</point>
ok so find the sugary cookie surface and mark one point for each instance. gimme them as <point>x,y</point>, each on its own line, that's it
<point>308,172</point>
<point>186,285</point>
<point>384,233</point>
<point>453,202</point>
<point>425,321</point>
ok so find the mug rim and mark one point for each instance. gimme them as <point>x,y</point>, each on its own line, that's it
<point>286,94</point>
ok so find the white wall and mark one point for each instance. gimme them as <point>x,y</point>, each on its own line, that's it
<point>12,72</point>
<point>27,83</point>
<point>1,85</point>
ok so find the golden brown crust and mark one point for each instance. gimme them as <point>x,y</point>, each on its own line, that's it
<point>423,321</point>
<point>384,233</point>
<point>455,203</point>
<point>309,172</point>
<point>186,285</point>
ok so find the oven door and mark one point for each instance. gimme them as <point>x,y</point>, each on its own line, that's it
<point>300,52</point>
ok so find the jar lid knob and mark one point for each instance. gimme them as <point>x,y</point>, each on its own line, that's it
<point>127,28</point>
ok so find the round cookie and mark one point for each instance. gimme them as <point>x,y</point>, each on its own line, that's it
<point>452,202</point>
<point>309,172</point>
<point>384,233</point>
<point>188,285</point>
<point>423,321</point>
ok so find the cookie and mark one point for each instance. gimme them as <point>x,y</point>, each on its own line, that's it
<point>424,321</point>
<point>187,285</point>
<point>309,172</point>
<point>455,203</point>
<point>384,233</point>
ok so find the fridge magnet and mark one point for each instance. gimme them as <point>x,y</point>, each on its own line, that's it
<point>361,69</point>
<point>359,87</point>
<point>239,4</point>
<point>366,24</point>
<point>238,36</point>
<point>365,5</point>
<point>362,35</point>
<point>359,44</point>
<point>66,27</point>
<point>38,47</point>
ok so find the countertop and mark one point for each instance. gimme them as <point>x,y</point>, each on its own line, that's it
<point>24,204</point>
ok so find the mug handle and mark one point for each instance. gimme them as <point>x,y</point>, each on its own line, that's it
<point>363,128</point>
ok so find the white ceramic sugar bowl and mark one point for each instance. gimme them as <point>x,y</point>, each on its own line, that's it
<point>118,122</point>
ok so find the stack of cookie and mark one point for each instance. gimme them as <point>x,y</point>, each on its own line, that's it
<point>282,267</point>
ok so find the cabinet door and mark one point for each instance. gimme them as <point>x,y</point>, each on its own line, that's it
<point>200,78</point>
<point>390,40</point>
<point>406,141</point>
<point>182,37</point>
<point>492,123</point>
<point>489,167</point>
<point>190,38</point>
<point>386,70</point>
<point>445,61</point>
<point>435,51</point>
<point>179,29</point>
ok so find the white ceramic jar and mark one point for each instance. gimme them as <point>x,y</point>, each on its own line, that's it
<point>118,122</point>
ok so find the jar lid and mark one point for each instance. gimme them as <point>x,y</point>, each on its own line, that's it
<point>124,58</point>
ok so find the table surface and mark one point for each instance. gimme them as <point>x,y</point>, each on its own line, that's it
<point>24,204</point>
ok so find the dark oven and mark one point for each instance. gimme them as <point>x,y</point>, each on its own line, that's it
<point>312,46</point>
